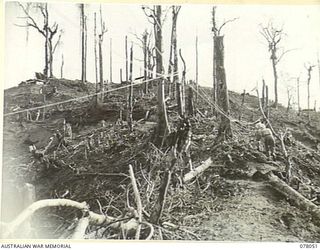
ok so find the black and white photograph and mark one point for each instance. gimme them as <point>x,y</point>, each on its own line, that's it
<point>161,122</point>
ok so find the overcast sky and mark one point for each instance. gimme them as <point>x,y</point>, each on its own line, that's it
<point>246,54</point>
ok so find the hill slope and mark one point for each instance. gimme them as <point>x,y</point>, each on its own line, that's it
<point>229,201</point>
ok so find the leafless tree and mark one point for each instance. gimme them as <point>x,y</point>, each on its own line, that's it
<point>110,60</point>
<point>216,29</point>
<point>274,37</point>
<point>95,47</point>
<point>309,70</point>
<point>46,30</point>
<point>103,30</point>
<point>173,55</point>
<point>154,16</point>
<point>83,29</point>
<point>220,94</point>
<point>61,68</point>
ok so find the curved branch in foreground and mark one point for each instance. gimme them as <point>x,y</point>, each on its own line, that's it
<point>94,218</point>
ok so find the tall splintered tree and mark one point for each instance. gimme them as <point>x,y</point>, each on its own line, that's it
<point>83,29</point>
<point>46,30</point>
<point>274,36</point>
<point>154,16</point>
<point>220,94</point>
<point>173,65</point>
<point>95,48</point>
<point>309,70</point>
<point>145,44</point>
<point>99,87</point>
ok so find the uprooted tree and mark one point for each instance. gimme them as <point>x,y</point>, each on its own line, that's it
<point>46,30</point>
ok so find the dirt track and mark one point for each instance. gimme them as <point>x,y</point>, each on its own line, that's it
<point>259,214</point>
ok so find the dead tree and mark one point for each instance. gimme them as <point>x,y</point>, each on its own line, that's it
<point>242,104</point>
<point>309,69</point>
<point>130,94</point>
<point>181,89</point>
<point>267,110</point>
<point>224,131</point>
<point>173,64</point>
<point>197,68</point>
<point>216,33</point>
<point>145,62</point>
<point>127,60</point>
<point>263,94</point>
<point>110,60</point>
<point>61,68</point>
<point>190,102</point>
<point>298,95</point>
<point>95,48</point>
<point>99,86</point>
<point>145,47</point>
<point>154,16</point>
<point>273,37</point>
<point>83,25</point>
<point>289,97</point>
<point>46,30</point>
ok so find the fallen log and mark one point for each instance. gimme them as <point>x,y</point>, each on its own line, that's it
<point>298,199</point>
<point>192,174</point>
<point>81,228</point>
<point>93,218</point>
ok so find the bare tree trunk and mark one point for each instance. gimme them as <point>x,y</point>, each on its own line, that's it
<point>95,47</point>
<point>197,67</point>
<point>82,27</point>
<point>159,205</point>
<point>110,60</point>
<point>298,93</point>
<point>126,50</point>
<point>44,108</point>
<point>181,89</point>
<point>263,94</point>
<point>275,75</point>
<point>308,84</point>
<point>85,47</point>
<point>190,102</point>
<point>100,96</point>
<point>267,102</point>
<point>50,57</point>
<point>62,64</point>
<point>100,90</point>
<point>214,55</point>
<point>289,100</point>
<point>222,91</point>
<point>145,64</point>
<point>242,104</point>
<point>175,84</point>
<point>163,125</point>
<point>46,31</point>
<point>170,64</point>
<point>130,97</point>
<point>243,97</point>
